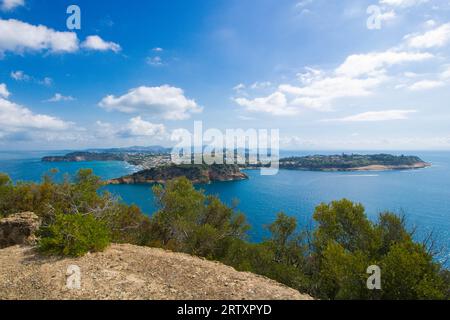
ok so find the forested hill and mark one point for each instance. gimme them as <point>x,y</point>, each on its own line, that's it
<point>353,162</point>
<point>195,173</point>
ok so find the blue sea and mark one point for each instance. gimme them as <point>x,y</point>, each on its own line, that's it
<point>422,195</point>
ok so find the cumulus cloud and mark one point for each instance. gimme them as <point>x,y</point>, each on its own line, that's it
<point>363,64</point>
<point>137,127</point>
<point>18,122</point>
<point>375,116</point>
<point>164,101</point>
<point>8,5</point>
<point>98,44</point>
<point>16,118</point>
<point>435,38</point>
<point>358,76</point>
<point>19,37</point>
<point>59,97</point>
<point>321,92</point>
<point>275,103</point>
<point>4,91</point>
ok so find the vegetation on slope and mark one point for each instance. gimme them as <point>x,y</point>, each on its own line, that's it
<point>328,261</point>
<point>195,173</point>
<point>350,161</point>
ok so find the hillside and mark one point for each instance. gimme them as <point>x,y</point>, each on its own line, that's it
<point>353,162</point>
<point>195,173</point>
<point>131,272</point>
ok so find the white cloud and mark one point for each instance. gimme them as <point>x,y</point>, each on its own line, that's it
<point>135,128</point>
<point>321,92</point>
<point>98,44</point>
<point>438,37</point>
<point>426,85</point>
<point>8,5</point>
<point>19,37</point>
<point>260,85</point>
<point>155,61</point>
<point>4,91</point>
<point>20,76</point>
<point>275,104</point>
<point>47,81</point>
<point>59,97</point>
<point>373,116</point>
<point>403,3</point>
<point>358,76</point>
<point>141,128</point>
<point>14,117</point>
<point>158,49</point>
<point>310,75</point>
<point>239,87</point>
<point>370,63</point>
<point>430,23</point>
<point>165,101</point>
<point>387,16</point>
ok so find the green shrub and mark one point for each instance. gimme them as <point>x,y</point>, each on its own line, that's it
<point>73,235</point>
<point>192,222</point>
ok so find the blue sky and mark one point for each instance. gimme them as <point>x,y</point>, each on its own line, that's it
<point>137,71</point>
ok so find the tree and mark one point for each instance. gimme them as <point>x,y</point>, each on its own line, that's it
<point>408,272</point>
<point>189,221</point>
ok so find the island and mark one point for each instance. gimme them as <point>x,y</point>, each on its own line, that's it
<point>195,173</point>
<point>353,162</point>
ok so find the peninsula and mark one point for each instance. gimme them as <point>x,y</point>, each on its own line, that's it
<point>353,162</point>
<point>195,173</point>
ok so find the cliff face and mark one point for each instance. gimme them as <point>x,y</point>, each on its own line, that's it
<point>128,272</point>
<point>195,173</point>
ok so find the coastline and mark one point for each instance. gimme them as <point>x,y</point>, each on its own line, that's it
<point>416,166</point>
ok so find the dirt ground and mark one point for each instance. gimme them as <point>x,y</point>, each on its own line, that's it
<point>131,272</point>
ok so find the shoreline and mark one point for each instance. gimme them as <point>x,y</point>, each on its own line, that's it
<point>371,168</point>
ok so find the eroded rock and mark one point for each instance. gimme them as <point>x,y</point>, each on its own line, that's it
<point>19,229</point>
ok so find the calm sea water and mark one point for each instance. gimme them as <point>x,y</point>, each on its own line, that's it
<point>422,195</point>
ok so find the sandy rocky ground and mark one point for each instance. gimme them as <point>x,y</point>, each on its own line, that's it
<point>131,272</point>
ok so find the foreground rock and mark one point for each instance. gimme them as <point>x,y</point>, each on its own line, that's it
<point>18,229</point>
<point>131,272</point>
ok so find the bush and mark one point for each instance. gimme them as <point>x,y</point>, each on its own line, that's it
<point>73,235</point>
<point>192,222</point>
